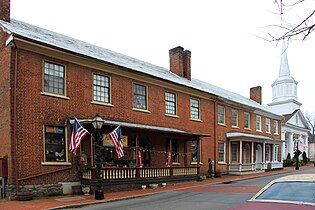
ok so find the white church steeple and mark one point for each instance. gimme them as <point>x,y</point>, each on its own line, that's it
<point>284,89</point>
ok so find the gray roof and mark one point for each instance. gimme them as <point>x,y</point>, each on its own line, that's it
<point>18,28</point>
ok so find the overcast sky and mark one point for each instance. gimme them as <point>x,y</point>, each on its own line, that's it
<point>223,36</point>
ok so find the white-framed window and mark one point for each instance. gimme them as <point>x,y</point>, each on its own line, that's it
<point>54,78</point>
<point>267,125</point>
<point>221,152</point>
<point>55,144</point>
<point>268,153</point>
<point>234,153</point>
<point>194,151</point>
<point>140,96</point>
<point>170,103</point>
<point>276,127</point>
<point>101,88</point>
<point>258,123</point>
<point>194,109</point>
<point>221,115</point>
<point>234,118</point>
<point>247,120</point>
<point>276,153</point>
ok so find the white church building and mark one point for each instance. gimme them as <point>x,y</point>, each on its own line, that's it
<point>294,128</point>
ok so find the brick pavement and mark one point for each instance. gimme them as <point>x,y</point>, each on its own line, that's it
<point>74,201</point>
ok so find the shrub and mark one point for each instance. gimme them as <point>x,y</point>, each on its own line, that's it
<point>288,163</point>
<point>304,158</point>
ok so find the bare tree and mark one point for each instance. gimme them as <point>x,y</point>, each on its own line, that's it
<point>311,121</point>
<point>291,29</point>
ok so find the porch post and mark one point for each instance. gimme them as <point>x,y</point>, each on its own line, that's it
<point>171,152</point>
<point>264,154</point>
<point>283,146</point>
<point>136,156</point>
<point>198,156</point>
<point>185,154</point>
<point>241,155</point>
<point>252,159</point>
<point>290,150</point>
<point>229,152</point>
<point>273,152</point>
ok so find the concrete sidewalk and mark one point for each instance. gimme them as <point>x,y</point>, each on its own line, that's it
<point>81,200</point>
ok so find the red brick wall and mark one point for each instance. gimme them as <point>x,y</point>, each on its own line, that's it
<point>5,55</point>
<point>36,110</point>
<point>221,130</point>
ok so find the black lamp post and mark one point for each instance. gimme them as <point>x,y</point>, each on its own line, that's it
<point>297,154</point>
<point>98,123</point>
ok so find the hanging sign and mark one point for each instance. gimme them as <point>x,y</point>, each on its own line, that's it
<point>108,143</point>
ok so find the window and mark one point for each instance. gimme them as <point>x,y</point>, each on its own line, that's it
<point>221,115</point>
<point>54,76</point>
<point>175,158</point>
<point>170,103</point>
<point>139,96</point>
<point>234,118</point>
<point>268,153</point>
<point>258,123</point>
<point>55,145</point>
<point>247,120</point>
<point>221,152</point>
<point>194,109</point>
<point>194,151</point>
<point>276,127</point>
<point>267,125</point>
<point>101,90</point>
<point>234,152</point>
<point>276,153</point>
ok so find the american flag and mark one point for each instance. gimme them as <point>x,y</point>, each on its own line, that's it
<point>116,138</point>
<point>78,132</point>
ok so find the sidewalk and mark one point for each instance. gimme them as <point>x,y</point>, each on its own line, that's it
<point>81,200</point>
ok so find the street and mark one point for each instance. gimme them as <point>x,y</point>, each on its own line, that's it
<point>209,196</point>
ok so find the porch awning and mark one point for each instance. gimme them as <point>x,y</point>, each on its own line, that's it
<point>143,127</point>
<point>232,135</point>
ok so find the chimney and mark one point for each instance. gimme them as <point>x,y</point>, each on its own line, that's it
<point>180,63</point>
<point>5,10</point>
<point>255,94</point>
<point>187,64</point>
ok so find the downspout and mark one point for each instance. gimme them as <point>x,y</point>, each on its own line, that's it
<point>215,136</point>
<point>14,139</point>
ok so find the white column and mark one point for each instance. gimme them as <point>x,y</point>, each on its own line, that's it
<point>283,155</point>
<point>252,150</point>
<point>230,144</point>
<point>273,159</point>
<point>241,155</point>
<point>306,144</point>
<point>264,153</point>
<point>291,143</point>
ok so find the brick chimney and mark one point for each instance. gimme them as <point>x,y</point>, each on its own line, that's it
<point>5,10</point>
<point>255,94</point>
<point>180,62</point>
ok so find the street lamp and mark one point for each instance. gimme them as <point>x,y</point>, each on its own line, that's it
<point>98,123</point>
<point>296,153</point>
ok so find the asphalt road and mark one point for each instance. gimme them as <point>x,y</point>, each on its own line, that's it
<point>209,196</point>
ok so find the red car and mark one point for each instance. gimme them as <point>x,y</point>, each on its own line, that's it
<point>294,192</point>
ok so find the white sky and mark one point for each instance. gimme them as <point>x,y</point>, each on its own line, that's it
<point>223,37</point>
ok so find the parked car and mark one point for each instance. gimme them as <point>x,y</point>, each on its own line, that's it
<point>294,192</point>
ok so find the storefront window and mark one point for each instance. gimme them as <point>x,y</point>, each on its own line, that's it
<point>55,145</point>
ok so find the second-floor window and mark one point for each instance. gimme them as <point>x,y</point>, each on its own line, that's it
<point>170,103</point>
<point>101,90</point>
<point>258,123</point>
<point>194,109</point>
<point>139,96</point>
<point>54,78</point>
<point>246,120</point>
<point>267,125</point>
<point>221,115</point>
<point>275,127</point>
<point>234,118</point>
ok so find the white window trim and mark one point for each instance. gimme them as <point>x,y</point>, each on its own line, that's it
<point>268,120</point>
<point>248,121</point>
<point>234,126</point>
<point>109,88</point>
<point>147,98</point>
<point>195,119</point>
<point>224,155</point>
<point>237,152</point>
<point>276,132</point>
<point>175,96</point>
<point>260,125</point>
<point>223,115</point>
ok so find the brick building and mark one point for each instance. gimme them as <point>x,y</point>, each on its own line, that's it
<point>47,79</point>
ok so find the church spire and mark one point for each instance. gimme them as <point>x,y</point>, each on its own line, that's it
<point>284,65</point>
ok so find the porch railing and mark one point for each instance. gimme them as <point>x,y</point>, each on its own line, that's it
<point>134,173</point>
<point>237,167</point>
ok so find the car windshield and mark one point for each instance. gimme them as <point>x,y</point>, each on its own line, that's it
<point>290,191</point>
